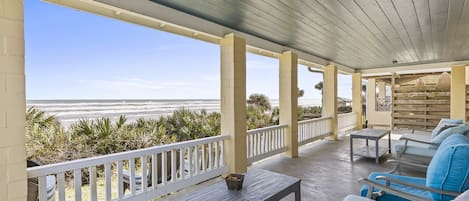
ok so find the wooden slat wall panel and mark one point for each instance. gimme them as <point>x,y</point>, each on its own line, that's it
<point>419,108</point>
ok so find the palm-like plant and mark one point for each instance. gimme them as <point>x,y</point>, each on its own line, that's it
<point>319,86</point>
<point>37,118</point>
<point>260,101</point>
<point>44,135</point>
<point>301,93</point>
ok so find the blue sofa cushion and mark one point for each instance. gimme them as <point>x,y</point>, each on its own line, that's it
<point>391,197</point>
<point>444,123</point>
<point>449,168</point>
<point>415,148</point>
<point>461,129</point>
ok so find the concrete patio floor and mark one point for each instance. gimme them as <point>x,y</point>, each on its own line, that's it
<point>324,168</point>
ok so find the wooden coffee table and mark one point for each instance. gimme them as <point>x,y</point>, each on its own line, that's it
<point>369,151</point>
<point>258,185</point>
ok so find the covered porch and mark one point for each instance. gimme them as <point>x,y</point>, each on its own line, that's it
<point>360,39</point>
<point>324,167</point>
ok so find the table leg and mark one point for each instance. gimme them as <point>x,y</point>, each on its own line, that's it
<point>351,149</point>
<point>366,142</point>
<point>298,193</point>
<point>377,150</point>
<point>389,142</point>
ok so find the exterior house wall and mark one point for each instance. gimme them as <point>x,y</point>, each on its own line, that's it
<point>12,102</point>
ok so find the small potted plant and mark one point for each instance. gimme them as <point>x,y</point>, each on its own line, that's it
<point>234,181</point>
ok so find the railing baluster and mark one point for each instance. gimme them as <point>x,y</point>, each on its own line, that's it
<point>120,182</point>
<point>310,130</point>
<point>217,155</point>
<point>259,143</point>
<point>300,132</point>
<point>144,173</point>
<point>181,163</point>
<point>196,160</point>
<point>107,177</point>
<point>164,171</point>
<point>189,159</point>
<point>133,188</point>
<point>273,142</point>
<point>305,132</point>
<point>324,128</point>
<point>254,145</point>
<point>269,141</point>
<point>248,145</point>
<point>272,139</point>
<point>222,158</point>
<point>61,184</point>
<point>210,167</point>
<point>154,170</point>
<point>173,165</point>
<point>204,163</point>
<point>283,137</point>
<point>303,128</point>
<point>93,187</point>
<point>42,180</point>
<point>77,184</point>
<point>279,140</point>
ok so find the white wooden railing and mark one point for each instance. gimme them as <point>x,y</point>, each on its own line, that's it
<point>347,121</point>
<point>313,129</point>
<point>203,156</point>
<point>265,142</point>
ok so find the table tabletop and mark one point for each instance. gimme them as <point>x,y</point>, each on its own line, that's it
<point>370,133</point>
<point>258,184</point>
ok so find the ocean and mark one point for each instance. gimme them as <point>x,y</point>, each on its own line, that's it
<point>70,111</point>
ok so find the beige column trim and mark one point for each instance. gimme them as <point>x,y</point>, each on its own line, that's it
<point>233,101</point>
<point>330,98</point>
<point>458,92</point>
<point>288,100</point>
<point>13,176</point>
<point>357,98</point>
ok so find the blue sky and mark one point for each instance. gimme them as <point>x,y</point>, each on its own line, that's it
<point>77,55</point>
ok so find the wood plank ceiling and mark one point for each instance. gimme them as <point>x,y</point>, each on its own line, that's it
<point>357,33</point>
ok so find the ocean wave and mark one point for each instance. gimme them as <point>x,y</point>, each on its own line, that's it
<point>69,111</point>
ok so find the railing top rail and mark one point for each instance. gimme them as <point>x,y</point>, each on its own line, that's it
<point>346,114</point>
<point>313,120</point>
<point>259,130</point>
<point>99,160</point>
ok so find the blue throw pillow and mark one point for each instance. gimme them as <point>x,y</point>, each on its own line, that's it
<point>449,168</point>
<point>461,129</point>
<point>443,122</point>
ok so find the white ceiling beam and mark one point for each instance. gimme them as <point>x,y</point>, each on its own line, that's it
<point>147,13</point>
<point>418,68</point>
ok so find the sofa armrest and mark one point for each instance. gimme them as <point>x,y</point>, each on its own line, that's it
<point>398,163</point>
<point>374,184</point>
<point>416,139</point>
<point>389,180</point>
